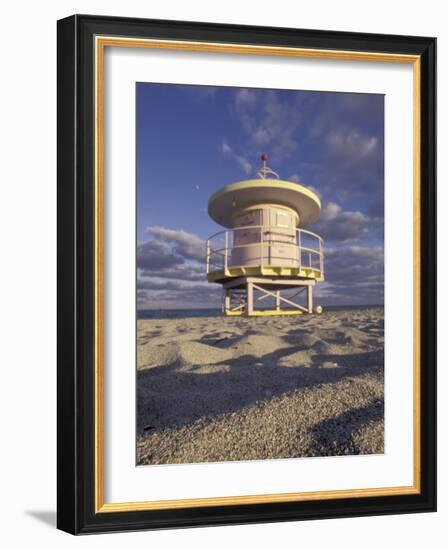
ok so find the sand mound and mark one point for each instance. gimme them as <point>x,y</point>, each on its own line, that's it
<point>195,353</point>
<point>296,359</point>
<point>150,356</point>
<point>321,346</point>
<point>187,353</point>
<point>258,345</point>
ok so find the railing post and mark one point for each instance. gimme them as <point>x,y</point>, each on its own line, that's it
<point>321,256</point>
<point>261,248</point>
<point>207,255</point>
<point>226,244</point>
<point>299,235</point>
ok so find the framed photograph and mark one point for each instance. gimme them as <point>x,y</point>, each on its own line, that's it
<point>246,274</point>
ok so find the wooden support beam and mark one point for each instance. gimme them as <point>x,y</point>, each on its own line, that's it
<point>281,299</point>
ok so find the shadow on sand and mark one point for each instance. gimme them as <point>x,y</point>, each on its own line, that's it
<point>334,436</point>
<point>174,395</point>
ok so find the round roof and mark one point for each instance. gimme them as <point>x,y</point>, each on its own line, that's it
<point>231,199</point>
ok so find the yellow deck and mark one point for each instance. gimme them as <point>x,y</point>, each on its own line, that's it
<point>271,271</point>
<point>268,312</point>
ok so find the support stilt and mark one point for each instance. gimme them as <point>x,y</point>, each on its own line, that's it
<point>226,300</point>
<point>250,298</point>
<point>309,300</point>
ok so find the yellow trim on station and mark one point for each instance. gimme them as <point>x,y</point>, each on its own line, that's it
<point>265,313</point>
<point>272,271</point>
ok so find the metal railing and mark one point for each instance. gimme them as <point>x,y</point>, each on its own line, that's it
<point>264,246</point>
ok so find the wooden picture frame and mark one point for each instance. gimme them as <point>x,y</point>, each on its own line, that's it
<point>82,40</point>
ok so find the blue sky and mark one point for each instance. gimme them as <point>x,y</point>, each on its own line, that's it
<point>192,140</point>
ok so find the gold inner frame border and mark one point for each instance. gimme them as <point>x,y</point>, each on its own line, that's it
<point>100,44</point>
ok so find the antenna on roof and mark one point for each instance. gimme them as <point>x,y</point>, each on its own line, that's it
<point>265,171</point>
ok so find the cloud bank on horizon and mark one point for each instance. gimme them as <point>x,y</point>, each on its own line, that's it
<point>192,140</point>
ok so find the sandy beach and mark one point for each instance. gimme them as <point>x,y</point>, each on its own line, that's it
<point>212,389</point>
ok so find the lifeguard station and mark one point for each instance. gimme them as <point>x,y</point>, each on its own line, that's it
<point>265,251</point>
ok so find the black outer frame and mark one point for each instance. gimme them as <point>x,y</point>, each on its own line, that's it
<point>75,381</point>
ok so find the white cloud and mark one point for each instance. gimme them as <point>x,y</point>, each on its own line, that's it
<point>269,124</point>
<point>350,144</point>
<point>226,149</point>
<point>353,275</point>
<point>185,244</point>
<point>171,271</point>
<point>261,137</point>
<point>156,283</point>
<point>330,211</point>
<point>187,271</point>
<point>242,161</point>
<point>245,97</point>
<point>343,226</point>
<point>154,254</point>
